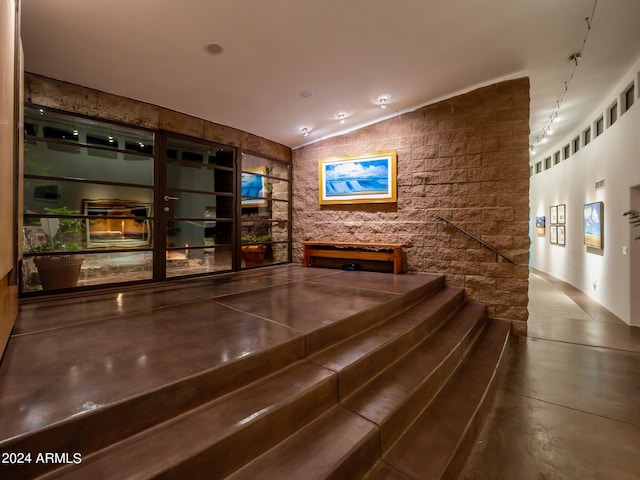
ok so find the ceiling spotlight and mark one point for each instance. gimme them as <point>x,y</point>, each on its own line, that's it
<point>550,131</point>
<point>213,48</point>
<point>532,149</point>
<point>341,116</point>
<point>304,130</point>
<point>383,101</point>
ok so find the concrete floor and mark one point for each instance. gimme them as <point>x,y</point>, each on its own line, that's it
<point>569,405</point>
<point>568,408</point>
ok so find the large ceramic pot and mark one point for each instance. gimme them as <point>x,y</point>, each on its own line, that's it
<point>59,271</point>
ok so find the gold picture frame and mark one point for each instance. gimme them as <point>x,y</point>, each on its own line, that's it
<point>368,178</point>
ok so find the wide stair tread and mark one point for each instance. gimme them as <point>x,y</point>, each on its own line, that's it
<point>435,444</point>
<point>338,445</point>
<point>382,471</point>
<point>220,436</point>
<point>362,356</point>
<point>396,396</point>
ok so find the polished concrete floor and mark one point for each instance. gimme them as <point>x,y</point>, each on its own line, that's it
<point>569,405</point>
<point>73,355</point>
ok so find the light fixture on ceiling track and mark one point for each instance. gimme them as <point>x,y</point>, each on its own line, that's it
<point>383,101</point>
<point>341,116</point>
<point>575,60</point>
<point>304,131</point>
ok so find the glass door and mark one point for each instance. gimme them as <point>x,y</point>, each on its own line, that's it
<point>197,204</point>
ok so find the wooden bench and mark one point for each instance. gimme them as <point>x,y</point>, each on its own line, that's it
<point>385,252</point>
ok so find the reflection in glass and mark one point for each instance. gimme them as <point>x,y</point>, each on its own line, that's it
<point>95,269</point>
<point>265,211</point>
<point>193,261</point>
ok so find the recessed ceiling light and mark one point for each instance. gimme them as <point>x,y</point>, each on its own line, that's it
<point>383,101</point>
<point>341,116</point>
<point>213,48</point>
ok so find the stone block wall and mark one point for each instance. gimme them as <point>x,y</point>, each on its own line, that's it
<point>465,159</point>
<point>48,92</point>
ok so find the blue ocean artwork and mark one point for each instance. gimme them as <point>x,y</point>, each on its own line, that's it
<point>251,185</point>
<point>592,219</point>
<point>357,178</point>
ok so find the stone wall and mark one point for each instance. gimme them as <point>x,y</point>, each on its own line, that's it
<point>47,92</point>
<point>466,159</point>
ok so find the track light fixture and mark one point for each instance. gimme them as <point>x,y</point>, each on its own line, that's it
<point>575,60</point>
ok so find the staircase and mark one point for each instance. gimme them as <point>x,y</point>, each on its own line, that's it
<point>396,393</point>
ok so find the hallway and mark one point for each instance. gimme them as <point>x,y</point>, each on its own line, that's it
<point>569,404</point>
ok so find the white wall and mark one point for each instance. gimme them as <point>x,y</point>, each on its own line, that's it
<point>614,156</point>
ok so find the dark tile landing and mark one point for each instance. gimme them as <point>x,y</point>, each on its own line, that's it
<point>71,356</point>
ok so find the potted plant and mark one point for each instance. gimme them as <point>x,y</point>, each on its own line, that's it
<point>58,269</point>
<point>254,248</point>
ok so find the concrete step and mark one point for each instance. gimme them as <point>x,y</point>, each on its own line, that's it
<point>376,388</point>
<point>220,436</point>
<point>437,444</point>
<point>394,398</point>
<point>338,445</point>
<point>359,358</point>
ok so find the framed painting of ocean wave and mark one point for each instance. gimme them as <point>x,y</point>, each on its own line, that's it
<point>367,178</point>
<point>253,187</point>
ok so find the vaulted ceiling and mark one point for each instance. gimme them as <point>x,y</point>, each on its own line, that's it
<point>287,64</point>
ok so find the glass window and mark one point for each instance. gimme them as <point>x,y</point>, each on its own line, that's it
<point>599,126</point>
<point>88,196</point>
<point>566,152</point>
<point>576,144</point>
<point>556,158</point>
<point>613,114</point>
<point>199,206</point>
<point>265,227</point>
<point>629,97</point>
<point>587,136</point>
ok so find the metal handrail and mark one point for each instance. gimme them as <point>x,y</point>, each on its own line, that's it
<point>482,242</point>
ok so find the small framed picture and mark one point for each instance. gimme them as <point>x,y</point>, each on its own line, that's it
<point>594,225</point>
<point>561,212</point>
<point>561,240</point>
<point>553,234</point>
<point>553,215</point>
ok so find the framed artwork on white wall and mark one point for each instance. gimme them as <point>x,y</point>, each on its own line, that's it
<point>553,234</point>
<point>594,225</point>
<point>561,213</point>
<point>561,232</point>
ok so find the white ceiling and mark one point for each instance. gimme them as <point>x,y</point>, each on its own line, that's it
<point>346,52</point>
